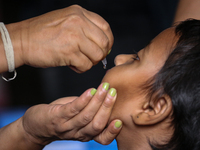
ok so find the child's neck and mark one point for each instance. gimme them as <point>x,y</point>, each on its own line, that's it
<point>139,137</point>
<point>128,140</point>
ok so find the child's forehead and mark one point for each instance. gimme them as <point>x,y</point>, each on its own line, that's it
<point>167,36</point>
<point>156,53</point>
<point>166,40</point>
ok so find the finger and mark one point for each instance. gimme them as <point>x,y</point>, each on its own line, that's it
<point>110,133</point>
<point>91,50</point>
<point>71,109</point>
<point>101,118</point>
<point>80,62</point>
<point>96,35</point>
<point>102,24</point>
<point>88,113</point>
<point>64,100</point>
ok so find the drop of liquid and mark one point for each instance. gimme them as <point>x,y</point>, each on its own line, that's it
<point>104,66</point>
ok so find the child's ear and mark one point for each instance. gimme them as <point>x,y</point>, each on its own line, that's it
<point>153,113</point>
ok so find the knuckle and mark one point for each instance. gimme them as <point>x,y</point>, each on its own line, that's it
<point>85,66</point>
<point>108,103</point>
<point>97,126</point>
<point>105,139</point>
<point>76,6</point>
<point>88,65</point>
<point>105,142</point>
<point>74,111</point>
<point>99,97</point>
<point>105,26</point>
<point>74,19</point>
<point>83,138</point>
<point>87,118</point>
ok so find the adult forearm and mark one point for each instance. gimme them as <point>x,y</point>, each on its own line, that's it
<point>187,9</point>
<point>13,137</point>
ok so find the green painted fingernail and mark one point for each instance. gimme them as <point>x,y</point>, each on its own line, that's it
<point>93,91</point>
<point>109,51</point>
<point>118,124</point>
<point>106,86</point>
<point>112,92</point>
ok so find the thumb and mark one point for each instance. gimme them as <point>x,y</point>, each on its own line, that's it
<point>110,133</point>
<point>64,100</point>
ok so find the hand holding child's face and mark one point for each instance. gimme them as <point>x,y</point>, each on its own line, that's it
<point>74,118</point>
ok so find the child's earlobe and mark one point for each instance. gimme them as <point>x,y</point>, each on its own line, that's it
<point>153,113</point>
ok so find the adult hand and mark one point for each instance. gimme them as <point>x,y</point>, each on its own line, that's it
<point>72,36</point>
<point>73,118</point>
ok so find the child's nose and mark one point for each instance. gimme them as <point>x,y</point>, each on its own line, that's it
<point>121,59</point>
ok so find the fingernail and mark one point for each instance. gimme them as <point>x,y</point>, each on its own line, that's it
<point>118,124</point>
<point>106,86</point>
<point>112,92</point>
<point>93,91</point>
<point>109,51</point>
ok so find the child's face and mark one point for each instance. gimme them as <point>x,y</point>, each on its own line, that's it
<point>129,75</point>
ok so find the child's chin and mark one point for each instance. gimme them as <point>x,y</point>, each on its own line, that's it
<point>104,80</point>
<point>105,77</point>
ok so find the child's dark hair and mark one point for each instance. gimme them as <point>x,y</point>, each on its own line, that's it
<point>180,79</point>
